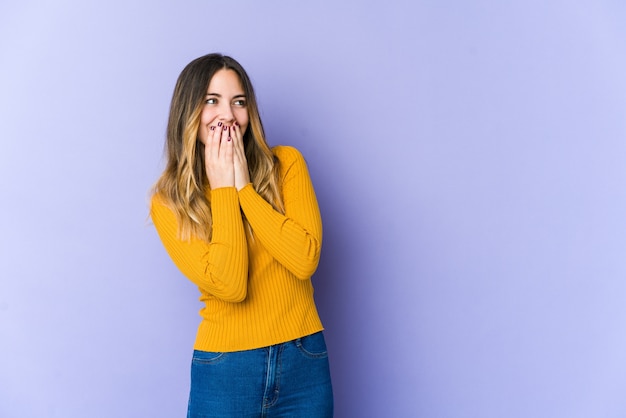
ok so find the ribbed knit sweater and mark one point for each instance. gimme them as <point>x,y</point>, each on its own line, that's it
<point>256,287</point>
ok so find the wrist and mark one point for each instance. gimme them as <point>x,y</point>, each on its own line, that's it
<point>243,186</point>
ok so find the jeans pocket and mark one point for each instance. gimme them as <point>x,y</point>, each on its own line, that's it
<point>207,357</point>
<point>312,346</point>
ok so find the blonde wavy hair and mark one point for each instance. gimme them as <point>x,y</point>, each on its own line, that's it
<point>183,186</point>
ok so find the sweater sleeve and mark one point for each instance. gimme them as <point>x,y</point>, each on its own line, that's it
<point>295,238</point>
<point>219,267</point>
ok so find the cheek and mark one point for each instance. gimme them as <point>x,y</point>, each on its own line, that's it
<point>205,118</point>
<point>244,129</point>
<point>202,135</point>
<point>243,122</point>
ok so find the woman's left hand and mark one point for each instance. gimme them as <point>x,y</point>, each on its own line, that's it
<point>242,175</point>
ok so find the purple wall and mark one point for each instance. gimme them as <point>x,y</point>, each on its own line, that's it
<point>469,163</point>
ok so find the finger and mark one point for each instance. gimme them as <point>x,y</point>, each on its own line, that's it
<point>242,175</point>
<point>238,143</point>
<point>223,134</point>
<point>212,146</point>
<point>226,147</point>
<point>217,138</point>
<point>235,131</point>
<point>229,143</point>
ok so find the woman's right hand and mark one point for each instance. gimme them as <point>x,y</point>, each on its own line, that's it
<point>218,156</point>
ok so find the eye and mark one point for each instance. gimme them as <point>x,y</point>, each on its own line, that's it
<point>240,102</point>
<point>212,100</point>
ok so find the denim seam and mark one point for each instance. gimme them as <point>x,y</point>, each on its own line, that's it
<point>308,354</point>
<point>199,360</point>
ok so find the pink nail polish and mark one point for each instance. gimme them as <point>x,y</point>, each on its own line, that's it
<point>219,123</point>
<point>212,128</point>
<point>229,138</point>
<point>225,127</point>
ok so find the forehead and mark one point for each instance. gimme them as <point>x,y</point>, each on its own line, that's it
<point>225,80</point>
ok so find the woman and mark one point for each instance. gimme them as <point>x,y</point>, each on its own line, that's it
<point>241,221</point>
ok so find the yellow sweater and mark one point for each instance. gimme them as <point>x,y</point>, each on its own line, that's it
<point>256,288</point>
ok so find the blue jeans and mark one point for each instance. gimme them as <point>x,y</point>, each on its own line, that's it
<point>291,379</point>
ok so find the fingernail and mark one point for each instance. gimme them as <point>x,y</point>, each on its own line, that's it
<point>225,127</point>
<point>219,123</point>
<point>229,138</point>
<point>236,124</point>
<point>212,128</point>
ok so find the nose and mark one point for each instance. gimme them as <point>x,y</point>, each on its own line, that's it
<point>226,114</point>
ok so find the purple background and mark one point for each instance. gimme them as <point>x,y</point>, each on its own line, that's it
<point>469,159</point>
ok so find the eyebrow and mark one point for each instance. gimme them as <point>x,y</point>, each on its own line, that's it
<point>219,95</point>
